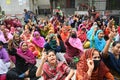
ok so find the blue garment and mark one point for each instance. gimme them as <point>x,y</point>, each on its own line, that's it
<point>90,32</point>
<point>27,16</point>
<point>112,63</point>
<point>47,47</point>
<point>97,43</point>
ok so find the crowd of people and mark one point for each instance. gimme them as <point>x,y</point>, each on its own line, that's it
<point>87,44</point>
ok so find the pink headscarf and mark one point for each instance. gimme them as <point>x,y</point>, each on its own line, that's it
<point>76,43</point>
<point>27,55</point>
<point>2,37</point>
<point>38,41</point>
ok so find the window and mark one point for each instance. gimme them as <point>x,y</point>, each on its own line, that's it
<point>113,4</point>
<point>70,3</point>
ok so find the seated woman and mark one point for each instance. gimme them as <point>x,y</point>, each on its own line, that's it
<point>53,69</point>
<point>5,35</point>
<point>26,35</point>
<point>39,42</point>
<point>4,62</point>
<point>53,43</point>
<point>97,40</point>
<point>14,43</point>
<point>112,58</point>
<point>25,63</point>
<point>82,35</point>
<point>91,67</point>
<point>74,48</point>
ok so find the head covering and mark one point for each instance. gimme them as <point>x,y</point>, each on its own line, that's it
<point>76,43</point>
<point>82,36</point>
<point>16,43</point>
<point>5,37</point>
<point>27,55</point>
<point>65,33</point>
<point>58,7</point>
<point>53,43</point>
<point>99,43</point>
<point>4,55</point>
<point>82,68</point>
<point>90,32</point>
<point>38,41</point>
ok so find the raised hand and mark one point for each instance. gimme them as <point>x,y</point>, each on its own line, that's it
<point>90,64</point>
<point>111,35</point>
<point>44,56</point>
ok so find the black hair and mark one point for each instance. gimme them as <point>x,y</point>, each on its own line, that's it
<point>115,43</point>
<point>50,51</point>
<point>83,29</point>
<point>59,37</point>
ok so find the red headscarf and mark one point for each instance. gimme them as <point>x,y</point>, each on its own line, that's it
<point>82,68</point>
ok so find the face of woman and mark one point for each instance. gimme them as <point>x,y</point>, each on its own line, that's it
<point>17,38</point>
<point>96,55</point>
<point>37,36</point>
<point>116,49</point>
<point>24,47</point>
<point>96,59</point>
<point>52,58</point>
<point>100,35</point>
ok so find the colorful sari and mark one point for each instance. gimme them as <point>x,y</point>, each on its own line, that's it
<point>38,42</point>
<point>99,74</point>
<point>82,36</point>
<point>60,72</point>
<point>96,42</point>
<point>27,55</point>
<point>65,33</point>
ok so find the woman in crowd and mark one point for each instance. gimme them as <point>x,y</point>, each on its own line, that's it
<point>26,35</point>
<point>63,49</point>
<point>82,35</point>
<point>53,43</point>
<point>5,35</point>
<point>4,62</point>
<point>53,69</point>
<point>25,63</point>
<point>14,43</point>
<point>44,31</point>
<point>74,47</point>
<point>91,67</point>
<point>97,40</point>
<point>39,42</point>
<point>65,32</point>
<point>112,58</point>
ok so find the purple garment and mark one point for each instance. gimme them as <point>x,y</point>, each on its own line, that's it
<point>4,55</point>
<point>28,56</point>
<point>38,41</point>
<point>71,52</point>
<point>2,38</point>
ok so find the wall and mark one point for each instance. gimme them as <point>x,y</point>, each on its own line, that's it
<point>43,4</point>
<point>14,7</point>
